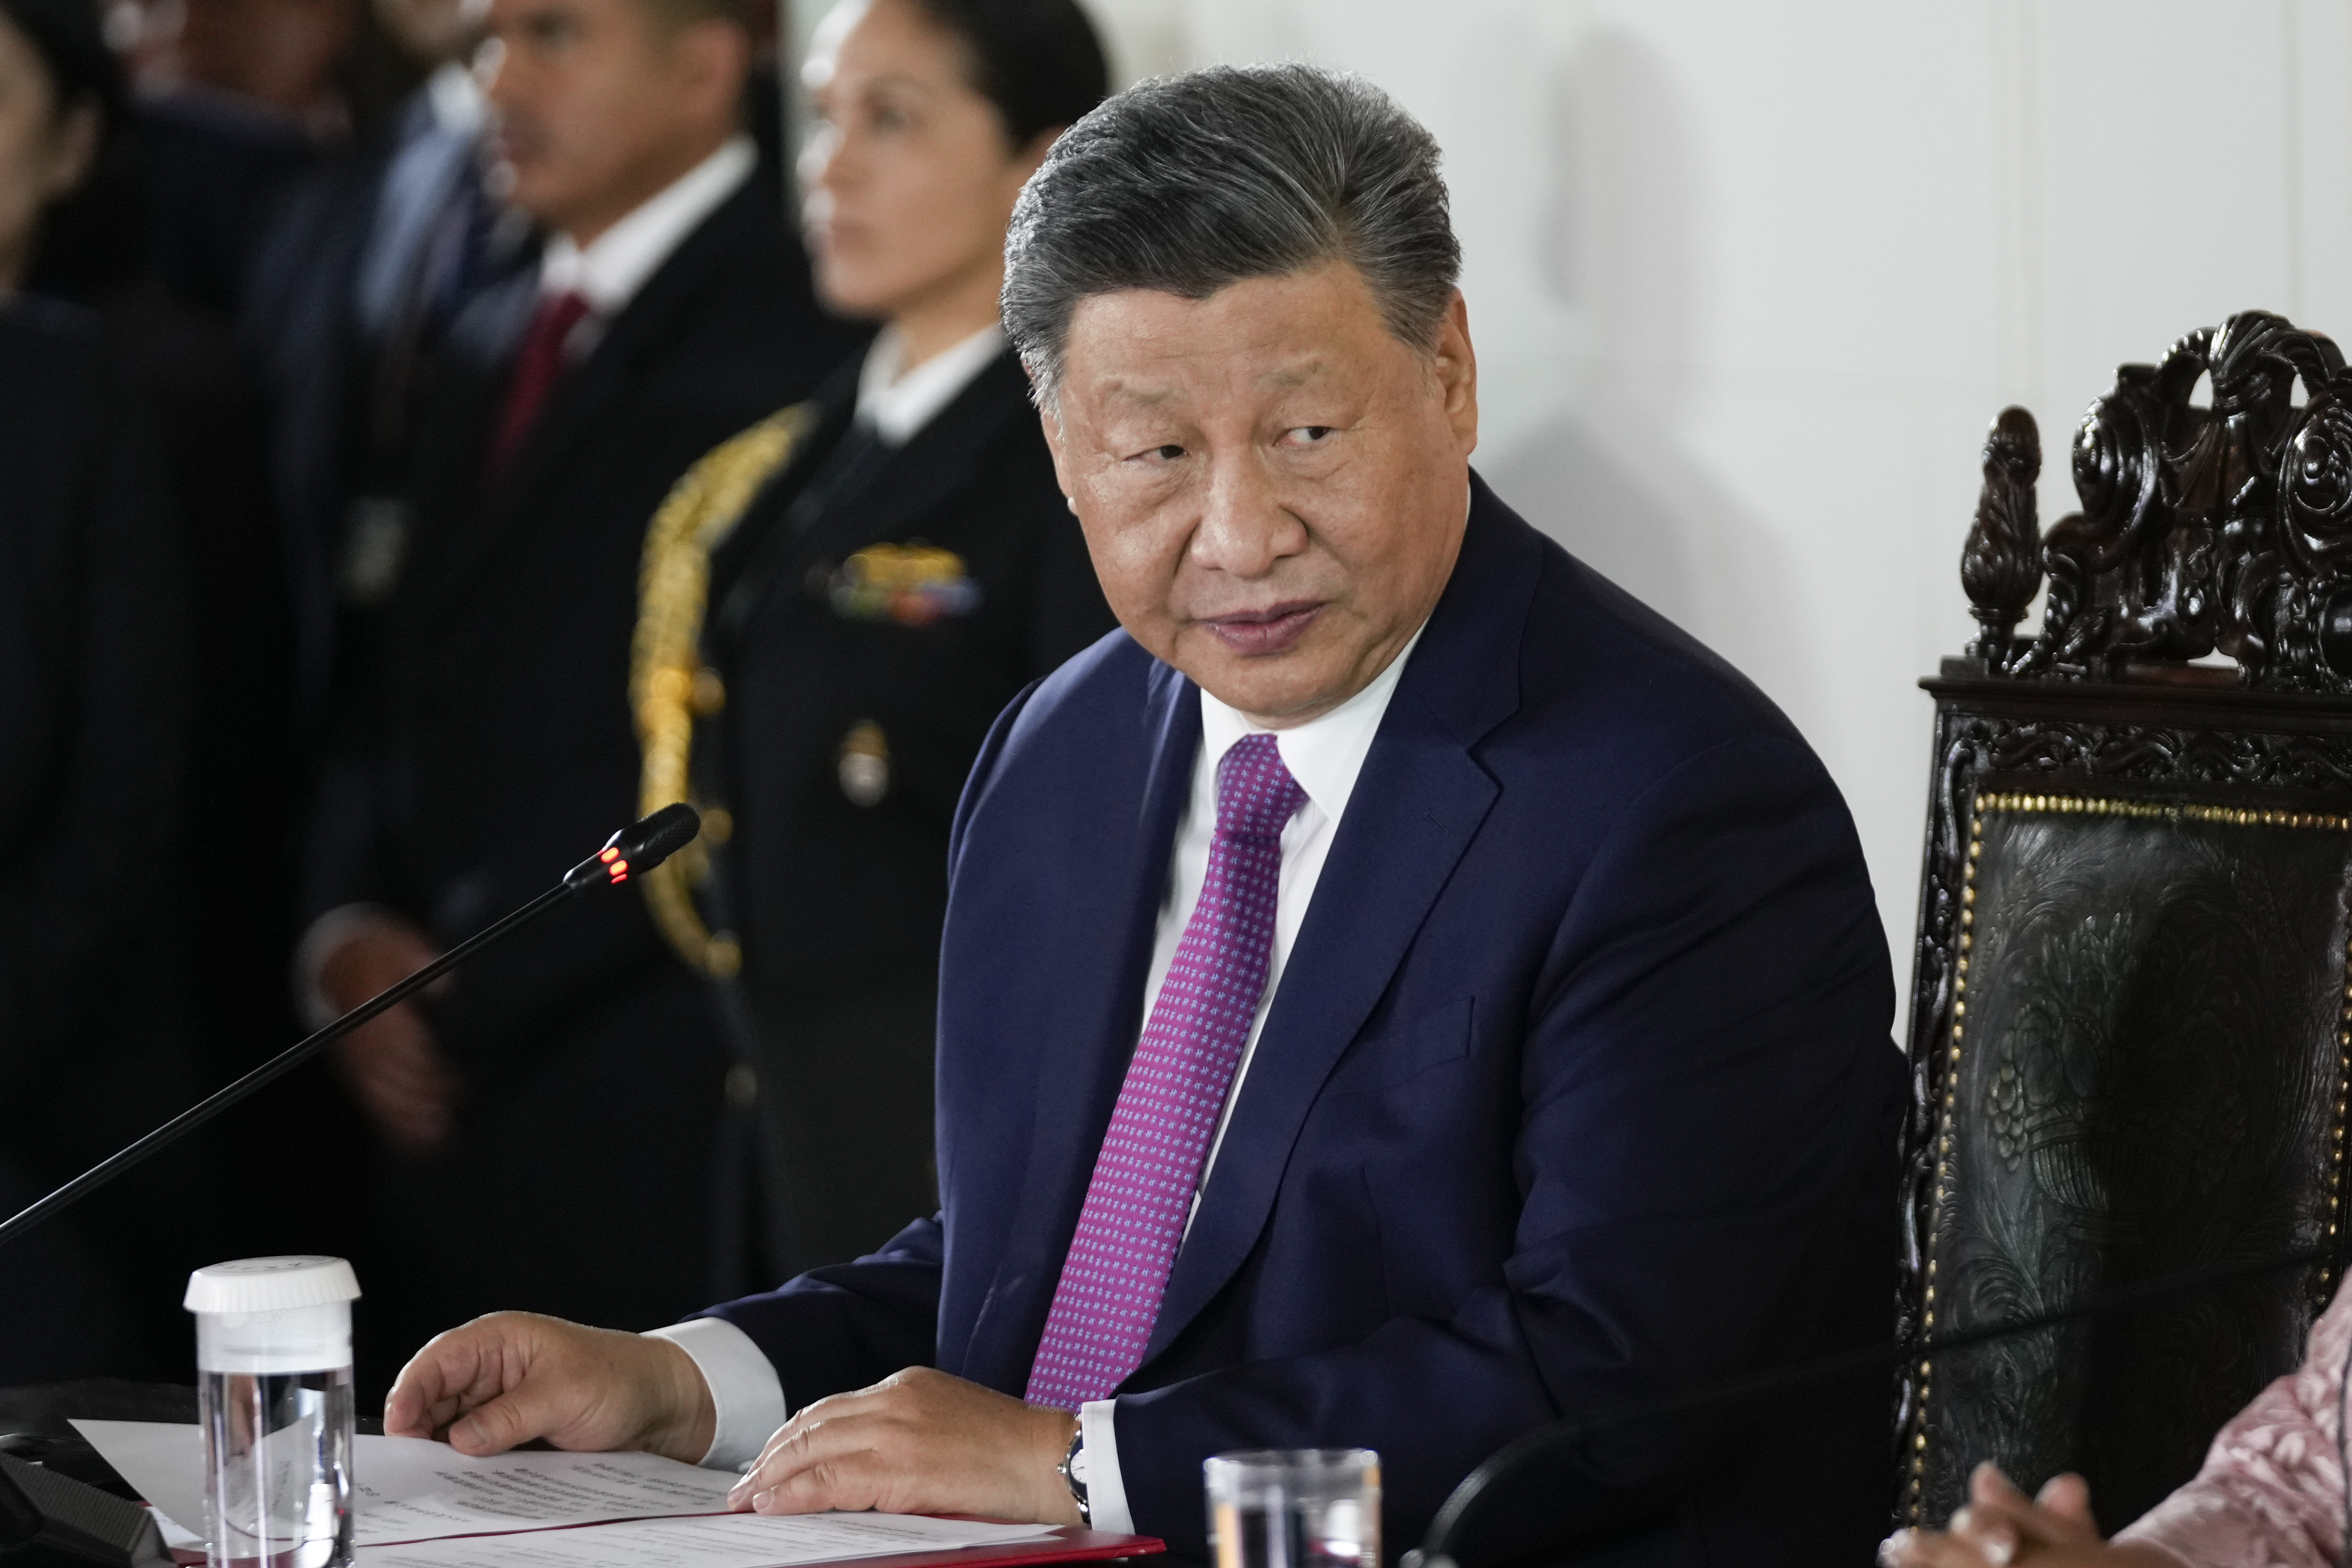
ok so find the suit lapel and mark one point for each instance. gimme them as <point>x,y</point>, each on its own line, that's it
<point>932,464</point>
<point>580,404</point>
<point>747,557</point>
<point>912,482</point>
<point>1413,812</point>
<point>1079,1081</point>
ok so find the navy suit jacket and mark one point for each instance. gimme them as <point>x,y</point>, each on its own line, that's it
<point>1577,1090</point>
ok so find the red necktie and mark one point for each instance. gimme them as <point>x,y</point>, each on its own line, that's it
<point>539,365</point>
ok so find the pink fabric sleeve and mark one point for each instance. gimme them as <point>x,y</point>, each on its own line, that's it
<point>2271,1492</point>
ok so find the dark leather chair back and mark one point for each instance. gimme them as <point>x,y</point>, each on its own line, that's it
<point>2131,1010</point>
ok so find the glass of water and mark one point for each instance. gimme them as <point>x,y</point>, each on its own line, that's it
<point>274,1393</point>
<point>1295,1507</point>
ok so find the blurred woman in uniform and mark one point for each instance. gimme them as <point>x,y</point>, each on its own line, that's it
<point>839,602</point>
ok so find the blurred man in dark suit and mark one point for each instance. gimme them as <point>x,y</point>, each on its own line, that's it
<point>369,263</point>
<point>577,1077</point>
<point>236,99</point>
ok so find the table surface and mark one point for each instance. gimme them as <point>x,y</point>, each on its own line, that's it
<point>35,1423</point>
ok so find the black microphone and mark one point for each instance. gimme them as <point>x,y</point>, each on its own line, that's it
<point>49,1521</point>
<point>637,848</point>
<point>20,1516</point>
<point>640,847</point>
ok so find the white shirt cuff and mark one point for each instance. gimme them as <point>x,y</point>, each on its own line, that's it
<point>1106,1488</point>
<point>744,1389</point>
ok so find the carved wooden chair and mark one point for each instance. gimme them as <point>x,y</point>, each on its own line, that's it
<point>2131,1011</point>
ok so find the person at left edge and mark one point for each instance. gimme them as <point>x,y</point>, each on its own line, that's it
<point>910,566</point>
<point>578,1076</point>
<point>97,705</point>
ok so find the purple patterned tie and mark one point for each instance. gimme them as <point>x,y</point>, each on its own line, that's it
<point>1144,1178</point>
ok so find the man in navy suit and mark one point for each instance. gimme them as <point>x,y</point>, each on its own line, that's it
<point>1396,991</point>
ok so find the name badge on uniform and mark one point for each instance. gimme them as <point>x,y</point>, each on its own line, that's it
<point>913,584</point>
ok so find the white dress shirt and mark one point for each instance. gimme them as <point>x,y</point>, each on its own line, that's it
<point>1325,755</point>
<point>454,95</point>
<point>608,271</point>
<point>895,402</point>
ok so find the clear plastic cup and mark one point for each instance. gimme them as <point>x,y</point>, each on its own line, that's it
<point>274,1389</point>
<point>1295,1507</point>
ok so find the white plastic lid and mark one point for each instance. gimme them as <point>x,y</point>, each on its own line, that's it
<point>273,1315</point>
<point>270,1285</point>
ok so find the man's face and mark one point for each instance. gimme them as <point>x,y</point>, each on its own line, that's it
<point>282,53</point>
<point>599,105</point>
<point>1272,486</point>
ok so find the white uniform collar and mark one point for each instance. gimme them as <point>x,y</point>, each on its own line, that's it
<point>609,272</point>
<point>895,406</point>
<point>455,99</point>
<point>1323,754</point>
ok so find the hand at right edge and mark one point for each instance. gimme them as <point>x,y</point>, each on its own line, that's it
<point>511,1377</point>
<point>2000,1527</point>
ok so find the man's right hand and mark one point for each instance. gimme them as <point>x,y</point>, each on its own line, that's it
<point>512,1377</point>
<point>391,1063</point>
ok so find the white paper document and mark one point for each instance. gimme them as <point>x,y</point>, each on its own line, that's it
<point>732,1541</point>
<point>407,1488</point>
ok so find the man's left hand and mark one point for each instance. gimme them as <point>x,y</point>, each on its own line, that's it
<point>917,1442</point>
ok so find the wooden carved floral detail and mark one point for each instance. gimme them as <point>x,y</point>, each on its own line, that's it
<point>2225,528</point>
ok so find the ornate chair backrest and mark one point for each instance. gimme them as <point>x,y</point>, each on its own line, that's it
<point>2131,1010</point>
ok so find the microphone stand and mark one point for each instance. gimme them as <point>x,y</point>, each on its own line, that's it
<point>1530,1455</point>
<point>640,847</point>
<point>46,1519</point>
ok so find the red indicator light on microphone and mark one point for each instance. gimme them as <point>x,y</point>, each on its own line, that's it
<point>620,870</point>
<point>611,854</point>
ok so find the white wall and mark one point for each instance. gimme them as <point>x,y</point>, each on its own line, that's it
<point>1749,280</point>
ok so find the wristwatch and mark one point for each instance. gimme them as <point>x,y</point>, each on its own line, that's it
<point>1073,1474</point>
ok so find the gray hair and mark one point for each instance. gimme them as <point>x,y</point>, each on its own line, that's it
<point>1187,184</point>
